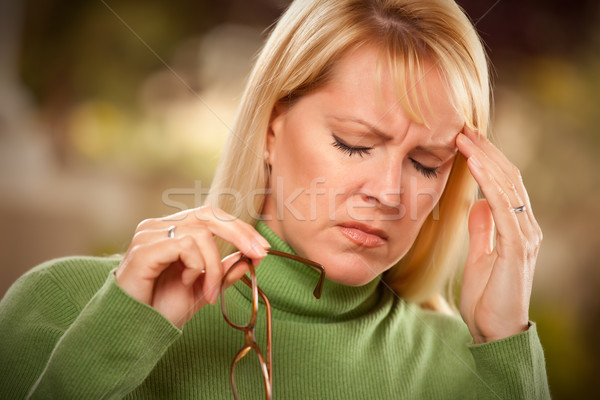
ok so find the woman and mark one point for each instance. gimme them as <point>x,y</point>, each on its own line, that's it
<point>357,140</point>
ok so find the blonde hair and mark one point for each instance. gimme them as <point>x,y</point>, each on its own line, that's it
<point>299,56</point>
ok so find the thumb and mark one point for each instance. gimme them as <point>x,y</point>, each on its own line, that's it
<point>481,230</point>
<point>237,273</point>
<point>229,260</point>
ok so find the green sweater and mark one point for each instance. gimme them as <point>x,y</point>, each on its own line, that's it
<point>68,331</point>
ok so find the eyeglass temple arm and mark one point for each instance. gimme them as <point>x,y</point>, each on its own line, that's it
<point>316,266</point>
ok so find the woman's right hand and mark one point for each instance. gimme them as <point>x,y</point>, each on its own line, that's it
<point>179,275</point>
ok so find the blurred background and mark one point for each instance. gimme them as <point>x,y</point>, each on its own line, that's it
<point>115,111</point>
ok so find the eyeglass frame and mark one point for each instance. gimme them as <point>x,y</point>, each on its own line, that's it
<point>248,329</point>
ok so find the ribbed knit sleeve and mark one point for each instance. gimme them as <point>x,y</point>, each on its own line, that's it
<point>52,347</point>
<point>511,368</point>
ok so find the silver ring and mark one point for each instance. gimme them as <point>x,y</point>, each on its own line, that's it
<point>520,209</point>
<point>171,232</point>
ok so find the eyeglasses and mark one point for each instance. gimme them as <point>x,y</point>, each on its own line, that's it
<point>248,327</point>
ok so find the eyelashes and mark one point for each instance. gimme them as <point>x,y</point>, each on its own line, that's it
<point>362,151</point>
<point>427,172</point>
<point>350,150</point>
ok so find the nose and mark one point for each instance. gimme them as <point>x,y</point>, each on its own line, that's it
<point>385,185</point>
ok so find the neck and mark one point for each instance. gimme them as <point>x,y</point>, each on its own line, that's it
<point>289,286</point>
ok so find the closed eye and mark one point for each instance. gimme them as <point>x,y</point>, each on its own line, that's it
<point>350,150</point>
<point>427,172</point>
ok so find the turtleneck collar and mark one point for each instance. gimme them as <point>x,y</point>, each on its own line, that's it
<point>289,287</point>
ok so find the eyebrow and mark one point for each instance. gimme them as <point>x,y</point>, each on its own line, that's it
<point>371,127</point>
<point>450,149</point>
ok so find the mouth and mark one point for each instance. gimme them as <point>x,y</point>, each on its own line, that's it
<point>363,235</point>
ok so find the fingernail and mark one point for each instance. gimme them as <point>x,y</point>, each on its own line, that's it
<point>475,162</point>
<point>466,139</point>
<point>259,249</point>
<point>263,242</point>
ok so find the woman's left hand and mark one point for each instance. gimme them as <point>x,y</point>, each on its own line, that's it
<point>497,280</point>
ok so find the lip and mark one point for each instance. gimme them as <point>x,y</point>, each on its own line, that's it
<point>363,235</point>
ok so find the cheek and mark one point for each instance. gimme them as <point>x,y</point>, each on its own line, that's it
<point>303,172</point>
<point>291,155</point>
<point>421,196</point>
<point>305,157</point>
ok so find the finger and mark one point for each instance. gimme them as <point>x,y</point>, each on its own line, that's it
<point>144,263</point>
<point>154,234</point>
<point>152,224</point>
<point>241,234</point>
<point>204,245</point>
<point>204,237</point>
<point>190,274</point>
<point>500,159</point>
<point>233,269</point>
<point>508,228</point>
<point>229,260</point>
<point>479,265</point>
<point>227,263</point>
<point>220,215</point>
<point>481,231</point>
<point>200,299</point>
<point>505,182</point>
<point>214,270</point>
<point>210,264</point>
<point>237,232</point>
<point>211,215</point>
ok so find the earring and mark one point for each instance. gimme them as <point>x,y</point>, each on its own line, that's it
<point>266,155</point>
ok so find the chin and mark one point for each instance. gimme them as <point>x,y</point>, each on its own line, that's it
<point>353,273</point>
<point>351,267</point>
<point>349,279</point>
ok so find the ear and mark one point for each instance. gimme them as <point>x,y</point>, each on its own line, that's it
<point>275,129</point>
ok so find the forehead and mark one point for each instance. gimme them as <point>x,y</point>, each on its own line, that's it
<point>362,81</point>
